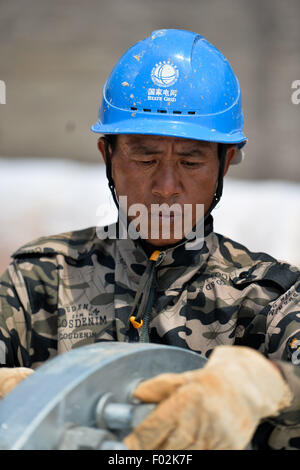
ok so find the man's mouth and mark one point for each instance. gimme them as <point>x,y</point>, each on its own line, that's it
<point>166,214</point>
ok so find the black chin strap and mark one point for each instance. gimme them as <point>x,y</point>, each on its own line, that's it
<point>111,183</point>
<point>219,189</point>
<point>218,194</point>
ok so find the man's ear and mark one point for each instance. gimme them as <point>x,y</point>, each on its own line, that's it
<point>101,147</point>
<point>230,154</point>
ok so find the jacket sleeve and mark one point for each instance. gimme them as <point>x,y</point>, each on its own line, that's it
<point>283,347</point>
<point>28,320</point>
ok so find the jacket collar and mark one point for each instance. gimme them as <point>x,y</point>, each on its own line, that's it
<point>176,265</point>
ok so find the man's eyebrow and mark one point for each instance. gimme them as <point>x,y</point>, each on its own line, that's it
<point>191,152</point>
<point>154,148</point>
<point>144,147</point>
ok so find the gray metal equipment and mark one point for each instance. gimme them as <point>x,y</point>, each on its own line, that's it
<point>83,399</point>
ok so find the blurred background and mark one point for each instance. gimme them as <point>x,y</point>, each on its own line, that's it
<point>54,59</point>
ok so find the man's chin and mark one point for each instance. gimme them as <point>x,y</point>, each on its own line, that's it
<point>161,244</point>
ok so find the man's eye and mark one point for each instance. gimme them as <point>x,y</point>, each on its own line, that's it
<point>147,162</point>
<point>190,164</point>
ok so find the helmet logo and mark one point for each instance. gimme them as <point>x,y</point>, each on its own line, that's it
<point>164,74</point>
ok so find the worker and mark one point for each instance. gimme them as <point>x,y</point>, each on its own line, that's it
<point>170,125</point>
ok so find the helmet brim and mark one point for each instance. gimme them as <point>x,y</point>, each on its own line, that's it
<point>170,128</point>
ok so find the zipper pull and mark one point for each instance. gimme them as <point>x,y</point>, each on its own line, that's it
<point>135,323</point>
<point>155,255</point>
<point>158,257</point>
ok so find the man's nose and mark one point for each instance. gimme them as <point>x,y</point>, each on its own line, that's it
<point>167,182</point>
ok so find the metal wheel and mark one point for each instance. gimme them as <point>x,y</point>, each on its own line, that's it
<point>83,399</point>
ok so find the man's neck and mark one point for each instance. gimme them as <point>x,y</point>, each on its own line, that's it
<point>149,248</point>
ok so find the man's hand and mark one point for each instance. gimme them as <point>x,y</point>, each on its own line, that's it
<point>213,408</point>
<point>10,377</point>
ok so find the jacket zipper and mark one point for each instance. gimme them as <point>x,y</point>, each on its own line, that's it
<point>144,335</point>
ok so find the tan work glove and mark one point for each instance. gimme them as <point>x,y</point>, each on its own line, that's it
<point>10,377</point>
<point>213,408</point>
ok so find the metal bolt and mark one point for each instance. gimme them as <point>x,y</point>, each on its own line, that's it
<point>101,405</point>
<point>120,416</point>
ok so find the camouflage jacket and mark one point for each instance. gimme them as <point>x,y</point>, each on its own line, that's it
<point>72,289</point>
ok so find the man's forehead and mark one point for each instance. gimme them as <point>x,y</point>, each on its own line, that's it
<point>158,140</point>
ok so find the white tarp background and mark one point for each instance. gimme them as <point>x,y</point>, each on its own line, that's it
<point>44,197</point>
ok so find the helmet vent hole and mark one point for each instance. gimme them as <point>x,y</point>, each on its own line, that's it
<point>163,111</point>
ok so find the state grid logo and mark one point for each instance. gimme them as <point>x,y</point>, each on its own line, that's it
<point>164,74</point>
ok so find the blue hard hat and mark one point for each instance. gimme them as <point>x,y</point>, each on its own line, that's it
<point>173,83</point>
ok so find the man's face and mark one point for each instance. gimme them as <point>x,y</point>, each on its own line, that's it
<point>155,170</point>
